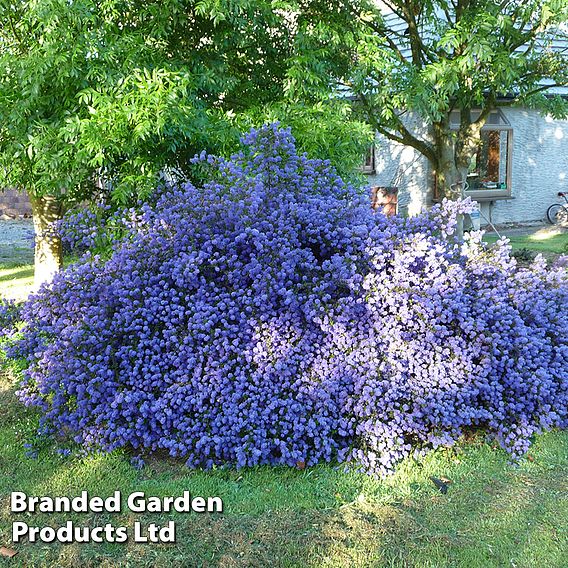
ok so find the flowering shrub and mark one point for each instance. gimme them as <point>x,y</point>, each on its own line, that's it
<point>82,230</point>
<point>271,317</point>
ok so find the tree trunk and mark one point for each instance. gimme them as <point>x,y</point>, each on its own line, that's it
<point>48,257</point>
<point>450,181</point>
<point>455,151</point>
<point>449,178</point>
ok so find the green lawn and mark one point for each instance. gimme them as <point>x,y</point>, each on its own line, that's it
<point>545,242</point>
<point>494,515</point>
<point>16,281</point>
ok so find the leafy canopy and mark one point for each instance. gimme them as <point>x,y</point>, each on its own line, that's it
<point>433,56</point>
<point>123,90</point>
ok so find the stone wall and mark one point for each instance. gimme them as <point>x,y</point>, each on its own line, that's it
<point>14,204</point>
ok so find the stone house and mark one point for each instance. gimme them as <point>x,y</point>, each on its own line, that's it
<point>520,167</point>
<point>14,204</point>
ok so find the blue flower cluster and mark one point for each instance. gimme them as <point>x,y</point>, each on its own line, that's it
<point>270,317</point>
<point>9,316</point>
<point>97,227</point>
<point>81,229</point>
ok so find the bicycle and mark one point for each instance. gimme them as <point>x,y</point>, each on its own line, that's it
<point>557,213</point>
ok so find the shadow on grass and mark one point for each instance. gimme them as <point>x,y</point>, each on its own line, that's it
<point>17,275</point>
<point>510,526</point>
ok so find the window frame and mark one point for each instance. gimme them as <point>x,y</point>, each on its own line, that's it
<point>369,169</point>
<point>492,194</point>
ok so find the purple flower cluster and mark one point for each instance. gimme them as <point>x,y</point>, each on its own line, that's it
<point>9,316</point>
<point>97,227</point>
<point>270,317</point>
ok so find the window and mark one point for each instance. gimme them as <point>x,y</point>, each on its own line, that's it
<point>489,174</point>
<point>368,166</point>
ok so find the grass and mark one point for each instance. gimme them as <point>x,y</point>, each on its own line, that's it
<point>494,514</point>
<point>13,254</point>
<point>16,281</point>
<point>545,242</point>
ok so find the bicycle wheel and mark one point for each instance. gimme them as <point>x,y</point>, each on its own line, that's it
<point>554,213</point>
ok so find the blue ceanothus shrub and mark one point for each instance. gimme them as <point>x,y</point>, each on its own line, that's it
<point>270,317</point>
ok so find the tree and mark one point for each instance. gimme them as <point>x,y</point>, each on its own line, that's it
<point>429,57</point>
<point>116,93</point>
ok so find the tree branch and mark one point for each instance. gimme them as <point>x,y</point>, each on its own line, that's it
<point>16,34</point>
<point>448,15</point>
<point>416,45</point>
<point>486,110</point>
<point>382,30</point>
<point>403,136</point>
<point>391,6</point>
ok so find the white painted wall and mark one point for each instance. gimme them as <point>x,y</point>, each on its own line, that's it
<point>405,168</point>
<point>540,169</point>
<point>540,166</point>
